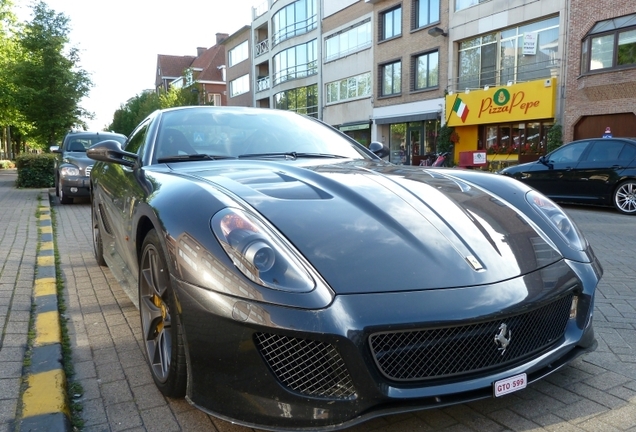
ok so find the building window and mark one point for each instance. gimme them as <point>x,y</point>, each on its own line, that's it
<point>391,83</point>
<point>238,54</point>
<point>426,71</point>
<point>349,88</point>
<point>295,19</point>
<point>463,4</point>
<point>240,85</point>
<point>523,53</point>
<point>303,100</point>
<point>610,44</point>
<point>345,42</point>
<point>391,23</point>
<point>425,12</point>
<point>296,62</point>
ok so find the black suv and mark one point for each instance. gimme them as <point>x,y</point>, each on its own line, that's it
<point>72,167</point>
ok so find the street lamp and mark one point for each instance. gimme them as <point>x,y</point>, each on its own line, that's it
<point>437,31</point>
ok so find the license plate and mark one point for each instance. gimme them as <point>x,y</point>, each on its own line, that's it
<point>510,385</point>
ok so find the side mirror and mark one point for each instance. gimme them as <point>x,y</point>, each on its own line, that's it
<point>379,149</point>
<point>111,151</point>
<point>55,149</point>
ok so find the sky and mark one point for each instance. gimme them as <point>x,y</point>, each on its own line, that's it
<point>119,40</point>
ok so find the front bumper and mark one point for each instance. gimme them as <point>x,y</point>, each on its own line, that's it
<point>75,186</point>
<point>232,375</point>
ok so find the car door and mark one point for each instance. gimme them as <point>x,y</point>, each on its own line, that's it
<point>600,169</point>
<point>553,176</point>
<point>118,191</point>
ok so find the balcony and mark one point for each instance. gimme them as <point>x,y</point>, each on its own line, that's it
<point>259,10</point>
<point>262,84</point>
<point>261,47</point>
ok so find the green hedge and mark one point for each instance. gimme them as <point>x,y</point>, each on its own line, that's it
<point>35,170</point>
<point>6,164</point>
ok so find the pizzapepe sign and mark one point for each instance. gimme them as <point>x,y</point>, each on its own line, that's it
<point>518,102</point>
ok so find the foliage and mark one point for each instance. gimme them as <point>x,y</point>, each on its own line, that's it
<point>35,170</point>
<point>129,115</point>
<point>6,164</point>
<point>48,81</point>
<point>179,97</point>
<point>446,139</point>
<point>555,137</point>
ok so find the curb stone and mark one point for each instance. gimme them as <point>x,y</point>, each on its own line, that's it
<point>44,402</point>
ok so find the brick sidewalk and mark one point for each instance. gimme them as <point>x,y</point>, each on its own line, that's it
<point>18,253</point>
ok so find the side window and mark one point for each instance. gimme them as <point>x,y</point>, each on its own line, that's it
<point>602,151</point>
<point>137,139</point>
<point>628,154</point>
<point>569,153</point>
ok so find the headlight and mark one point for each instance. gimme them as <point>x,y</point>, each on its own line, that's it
<point>69,171</point>
<point>259,253</point>
<point>557,218</point>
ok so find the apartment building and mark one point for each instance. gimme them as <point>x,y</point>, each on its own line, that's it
<point>601,69</point>
<point>238,63</point>
<point>505,89</point>
<point>346,81</point>
<point>410,75</point>
<point>501,73</point>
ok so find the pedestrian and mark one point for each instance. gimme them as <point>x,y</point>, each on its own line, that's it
<point>608,133</point>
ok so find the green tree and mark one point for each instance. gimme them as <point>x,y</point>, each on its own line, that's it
<point>49,83</point>
<point>13,125</point>
<point>130,114</point>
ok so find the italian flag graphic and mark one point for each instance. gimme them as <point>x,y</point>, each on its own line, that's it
<point>460,109</point>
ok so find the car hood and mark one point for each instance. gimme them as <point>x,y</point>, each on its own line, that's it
<point>77,158</point>
<point>373,227</point>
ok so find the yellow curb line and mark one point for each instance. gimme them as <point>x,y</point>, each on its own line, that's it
<point>46,394</point>
<point>47,328</point>
<point>46,391</point>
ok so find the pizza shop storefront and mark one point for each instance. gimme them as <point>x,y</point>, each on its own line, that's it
<point>509,122</point>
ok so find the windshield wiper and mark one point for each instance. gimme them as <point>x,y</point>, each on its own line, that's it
<point>192,157</point>
<point>290,155</point>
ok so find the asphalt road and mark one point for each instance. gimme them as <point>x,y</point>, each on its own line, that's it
<point>595,393</point>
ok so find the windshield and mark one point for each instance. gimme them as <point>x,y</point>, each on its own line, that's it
<point>79,142</point>
<point>222,132</point>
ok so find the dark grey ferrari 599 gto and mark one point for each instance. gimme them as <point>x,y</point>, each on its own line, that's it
<point>288,278</point>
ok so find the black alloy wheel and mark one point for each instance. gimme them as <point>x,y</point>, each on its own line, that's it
<point>161,330</point>
<point>625,197</point>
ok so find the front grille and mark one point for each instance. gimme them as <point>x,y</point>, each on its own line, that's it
<point>309,367</point>
<point>452,351</point>
<point>87,170</point>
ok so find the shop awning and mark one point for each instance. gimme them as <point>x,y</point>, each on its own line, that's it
<point>408,118</point>
<point>354,126</point>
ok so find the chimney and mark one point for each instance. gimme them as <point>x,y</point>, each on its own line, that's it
<point>220,37</point>
<point>200,51</point>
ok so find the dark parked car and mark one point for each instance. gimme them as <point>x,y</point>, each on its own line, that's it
<point>287,278</point>
<point>597,171</point>
<point>73,167</point>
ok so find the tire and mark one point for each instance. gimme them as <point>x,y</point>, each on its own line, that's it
<point>625,197</point>
<point>63,198</point>
<point>98,246</point>
<point>160,326</point>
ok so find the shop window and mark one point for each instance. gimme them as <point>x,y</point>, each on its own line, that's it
<point>521,53</point>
